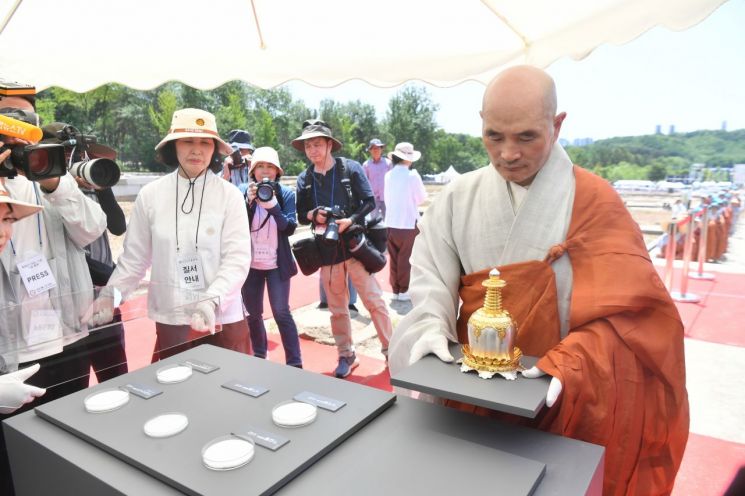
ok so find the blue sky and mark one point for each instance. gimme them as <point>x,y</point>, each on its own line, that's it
<point>692,79</point>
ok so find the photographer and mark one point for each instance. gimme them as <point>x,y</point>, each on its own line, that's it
<point>271,214</point>
<point>53,238</point>
<point>334,195</point>
<point>235,165</point>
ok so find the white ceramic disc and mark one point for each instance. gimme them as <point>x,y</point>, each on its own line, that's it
<point>173,373</point>
<point>106,400</point>
<point>294,414</point>
<point>168,424</point>
<point>227,453</point>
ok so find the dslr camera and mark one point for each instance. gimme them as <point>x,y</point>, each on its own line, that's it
<point>331,234</point>
<point>238,160</point>
<point>265,189</point>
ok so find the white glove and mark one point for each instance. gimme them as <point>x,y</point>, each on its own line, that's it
<point>203,317</point>
<point>554,388</point>
<point>14,393</point>
<point>100,312</point>
<point>431,342</point>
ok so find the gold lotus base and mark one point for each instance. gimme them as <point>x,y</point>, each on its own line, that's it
<point>486,364</point>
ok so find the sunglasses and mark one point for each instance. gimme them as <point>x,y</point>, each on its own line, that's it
<point>315,122</point>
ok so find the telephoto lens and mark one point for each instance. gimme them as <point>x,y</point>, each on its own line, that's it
<point>265,190</point>
<point>100,172</point>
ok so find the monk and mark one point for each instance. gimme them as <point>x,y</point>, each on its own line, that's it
<point>580,284</point>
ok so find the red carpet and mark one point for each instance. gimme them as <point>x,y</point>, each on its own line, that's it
<point>709,465</point>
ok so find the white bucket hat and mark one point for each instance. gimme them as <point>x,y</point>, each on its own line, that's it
<point>194,123</point>
<point>20,209</point>
<point>265,154</point>
<point>406,151</point>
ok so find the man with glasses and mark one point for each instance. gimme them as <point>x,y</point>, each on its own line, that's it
<point>333,193</point>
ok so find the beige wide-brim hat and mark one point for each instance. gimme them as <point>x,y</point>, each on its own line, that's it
<point>265,154</point>
<point>315,129</point>
<point>405,151</point>
<point>20,209</point>
<point>194,123</point>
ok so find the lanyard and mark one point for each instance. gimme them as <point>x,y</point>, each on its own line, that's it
<point>201,200</point>
<point>333,185</point>
<point>38,223</point>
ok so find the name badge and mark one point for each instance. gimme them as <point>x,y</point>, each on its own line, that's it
<point>36,275</point>
<point>189,272</point>
<point>44,327</point>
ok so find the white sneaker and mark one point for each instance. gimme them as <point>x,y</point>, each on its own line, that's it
<point>404,296</point>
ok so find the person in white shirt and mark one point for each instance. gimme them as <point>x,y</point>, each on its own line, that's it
<point>404,192</point>
<point>191,229</point>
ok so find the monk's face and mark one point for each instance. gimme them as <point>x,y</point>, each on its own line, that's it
<point>519,127</point>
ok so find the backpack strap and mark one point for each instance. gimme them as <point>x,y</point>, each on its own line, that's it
<point>347,183</point>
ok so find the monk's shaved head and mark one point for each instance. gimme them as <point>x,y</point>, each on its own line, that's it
<point>519,122</point>
<point>524,85</point>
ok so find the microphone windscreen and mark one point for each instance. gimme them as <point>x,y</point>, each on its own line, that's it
<point>19,129</point>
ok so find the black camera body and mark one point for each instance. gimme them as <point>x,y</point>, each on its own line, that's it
<point>87,159</point>
<point>265,189</point>
<point>331,234</point>
<point>238,160</point>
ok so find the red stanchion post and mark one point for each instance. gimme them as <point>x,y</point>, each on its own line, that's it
<point>670,255</point>
<point>683,295</point>
<point>702,238</point>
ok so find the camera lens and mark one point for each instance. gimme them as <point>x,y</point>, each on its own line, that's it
<point>265,191</point>
<point>38,162</point>
<point>100,172</point>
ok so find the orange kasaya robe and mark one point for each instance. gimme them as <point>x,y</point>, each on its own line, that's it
<point>723,223</point>
<point>622,364</point>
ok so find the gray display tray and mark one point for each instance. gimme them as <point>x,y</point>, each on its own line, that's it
<point>214,411</point>
<point>383,456</point>
<point>524,397</point>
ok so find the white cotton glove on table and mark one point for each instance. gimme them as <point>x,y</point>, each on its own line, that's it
<point>203,317</point>
<point>14,393</point>
<point>554,388</point>
<point>431,342</point>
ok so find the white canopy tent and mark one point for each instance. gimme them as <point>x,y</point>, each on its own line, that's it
<point>82,44</point>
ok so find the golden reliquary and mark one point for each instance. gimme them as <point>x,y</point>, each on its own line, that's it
<point>491,346</point>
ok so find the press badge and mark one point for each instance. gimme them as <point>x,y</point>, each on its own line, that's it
<point>44,327</point>
<point>36,275</point>
<point>189,272</point>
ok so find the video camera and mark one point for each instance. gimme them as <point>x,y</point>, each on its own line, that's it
<point>63,148</point>
<point>40,161</point>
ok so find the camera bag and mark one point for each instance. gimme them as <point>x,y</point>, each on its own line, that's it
<point>307,255</point>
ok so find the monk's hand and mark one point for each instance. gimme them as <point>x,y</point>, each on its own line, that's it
<point>431,342</point>
<point>554,388</point>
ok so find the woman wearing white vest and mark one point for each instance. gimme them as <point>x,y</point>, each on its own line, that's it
<point>191,229</point>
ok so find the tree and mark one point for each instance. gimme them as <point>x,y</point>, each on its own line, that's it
<point>657,172</point>
<point>411,117</point>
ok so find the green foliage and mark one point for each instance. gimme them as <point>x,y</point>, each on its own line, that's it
<point>132,122</point>
<point>411,117</point>
<point>661,155</point>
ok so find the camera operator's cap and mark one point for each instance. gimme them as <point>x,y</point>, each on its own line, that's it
<point>374,142</point>
<point>194,123</point>
<point>240,140</point>
<point>313,128</point>
<point>20,209</point>
<point>265,154</point>
<point>405,151</point>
